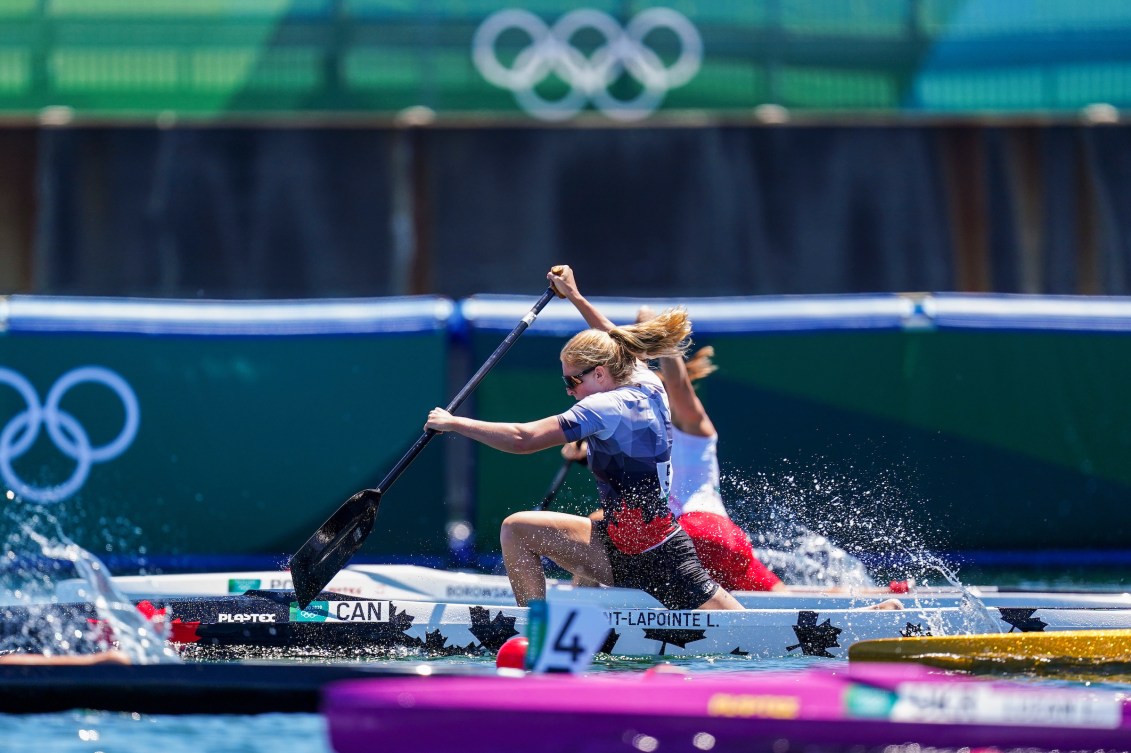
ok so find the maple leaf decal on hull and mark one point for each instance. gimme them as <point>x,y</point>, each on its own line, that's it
<point>1023,620</point>
<point>492,633</point>
<point>610,642</point>
<point>435,644</point>
<point>914,630</point>
<point>815,640</point>
<point>675,636</point>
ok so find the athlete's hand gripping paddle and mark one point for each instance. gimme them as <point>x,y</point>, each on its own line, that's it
<point>334,544</point>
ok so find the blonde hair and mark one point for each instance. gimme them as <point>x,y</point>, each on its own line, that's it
<point>664,336</point>
<point>700,364</point>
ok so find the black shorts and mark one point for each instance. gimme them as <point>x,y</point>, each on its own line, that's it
<point>670,572</point>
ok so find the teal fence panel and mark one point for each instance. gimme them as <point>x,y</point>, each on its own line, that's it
<point>968,422</point>
<point>554,60</point>
<point>172,429</point>
<point>177,429</point>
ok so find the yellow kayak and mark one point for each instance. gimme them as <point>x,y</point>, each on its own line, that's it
<point>1073,652</point>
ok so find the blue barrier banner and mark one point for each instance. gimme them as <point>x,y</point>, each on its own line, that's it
<point>215,428</point>
<point>988,422</point>
<point>232,429</point>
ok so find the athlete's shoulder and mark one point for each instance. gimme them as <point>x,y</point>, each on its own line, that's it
<point>603,400</point>
<point>593,409</point>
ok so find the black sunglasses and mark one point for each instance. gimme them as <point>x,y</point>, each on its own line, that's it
<point>573,380</point>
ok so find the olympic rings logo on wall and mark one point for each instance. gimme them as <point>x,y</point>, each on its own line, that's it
<point>21,431</point>
<point>551,51</point>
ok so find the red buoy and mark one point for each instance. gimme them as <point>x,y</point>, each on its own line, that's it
<point>512,654</point>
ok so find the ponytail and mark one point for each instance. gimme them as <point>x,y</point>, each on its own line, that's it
<point>664,336</point>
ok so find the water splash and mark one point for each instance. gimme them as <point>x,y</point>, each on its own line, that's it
<point>56,629</point>
<point>835,528</point>
<point>976,617</point>
<point>818,526</point>
<point>810,559</point>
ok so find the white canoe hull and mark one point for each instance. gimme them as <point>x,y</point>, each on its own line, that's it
<point>272,619</point>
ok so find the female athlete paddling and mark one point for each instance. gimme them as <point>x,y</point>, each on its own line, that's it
<point>723,548</point>
<point>623,415</point>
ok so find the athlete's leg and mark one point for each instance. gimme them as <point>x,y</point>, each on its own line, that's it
<point>581,580</point>
<point>566,539</point>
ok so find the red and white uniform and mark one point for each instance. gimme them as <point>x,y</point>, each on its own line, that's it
<point>723,548</point>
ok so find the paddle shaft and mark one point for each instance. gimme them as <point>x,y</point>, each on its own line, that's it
<point>333,545</point>
<point>555,485</point>
<point>468,388</point>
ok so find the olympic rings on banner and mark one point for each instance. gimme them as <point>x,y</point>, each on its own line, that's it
<point>623,51</point>
<point>65,431</point>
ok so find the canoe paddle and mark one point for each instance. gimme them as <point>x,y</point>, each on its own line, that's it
<point>334,544</point>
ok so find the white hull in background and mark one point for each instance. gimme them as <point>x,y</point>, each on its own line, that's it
<point>418,583</point>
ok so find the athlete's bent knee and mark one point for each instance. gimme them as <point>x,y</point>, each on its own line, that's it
<point>516,528</point>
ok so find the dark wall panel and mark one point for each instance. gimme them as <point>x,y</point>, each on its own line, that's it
<point>291,212</point>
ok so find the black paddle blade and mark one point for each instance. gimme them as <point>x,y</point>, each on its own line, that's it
<point>333,545</point>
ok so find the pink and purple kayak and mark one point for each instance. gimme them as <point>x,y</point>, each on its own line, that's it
<point>859,707</point>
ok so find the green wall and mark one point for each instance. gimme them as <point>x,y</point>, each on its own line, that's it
<point>216,59</point>
<point>1001,430</point>
<point>1014,437</point>
<point>245,443</point>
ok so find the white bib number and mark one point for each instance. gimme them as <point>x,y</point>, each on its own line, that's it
<point>564,637</point>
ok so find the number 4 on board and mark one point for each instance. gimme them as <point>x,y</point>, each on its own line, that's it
<point>564,638</point>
